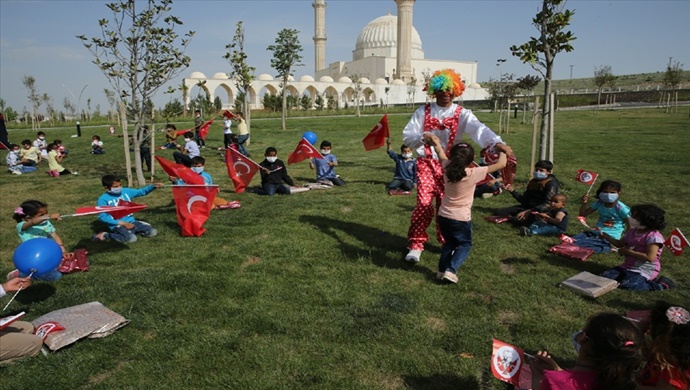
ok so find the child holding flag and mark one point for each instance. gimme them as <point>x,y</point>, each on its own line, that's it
<point>405,175</point>
<point>198,163</point>
<point>125,229</point>
<point>609,355</point>
<point>613,216</point>
<point>325,167</point>
<point>455,213</point>
<point>642,246</point>
<point>274,174</point>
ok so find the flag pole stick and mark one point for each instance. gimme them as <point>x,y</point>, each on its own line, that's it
<point>247,158</point>
<point>592,185</point>
<point>190,185</point>
<point>15,294</point>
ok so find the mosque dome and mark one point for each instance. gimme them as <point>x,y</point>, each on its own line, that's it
<point>197,75</point>
<point>380,38</point>
<point>398,82</point>
<point>326,79</point>
<point>344,80</point>
<point>220,76</point>
<point>265,77</point>
<point>306,78</point>
<point>380,81</point>
<point>364,80</point>
<point>474,85</point>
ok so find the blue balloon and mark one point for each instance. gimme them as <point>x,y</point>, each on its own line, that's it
<point>38,255</point>
<point>310,136</point>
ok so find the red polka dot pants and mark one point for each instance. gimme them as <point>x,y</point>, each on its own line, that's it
<point>429,187</point>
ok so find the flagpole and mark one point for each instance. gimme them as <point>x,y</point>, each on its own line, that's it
<point>15,294</point>
<point>592,185</point>
<point>190,185</point>
<point>247,158</point>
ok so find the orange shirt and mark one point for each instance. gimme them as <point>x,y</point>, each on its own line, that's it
<point>458,198</point>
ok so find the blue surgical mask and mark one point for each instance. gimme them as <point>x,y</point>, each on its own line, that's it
<point>539,175</point>
<point>115,190</point>
<point>608,197</point>
<point>198,169</point>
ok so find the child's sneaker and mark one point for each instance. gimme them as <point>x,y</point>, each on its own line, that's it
<point>487,195</point>
<point>450,277</point>
<point>16,172</point>
<point>413,255</point>
<point>99,237</point>
<point>524,231</point>
<point>13,274</point>
<point>665,283</point>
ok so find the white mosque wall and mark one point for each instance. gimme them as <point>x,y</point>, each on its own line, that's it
<point>375,92</point>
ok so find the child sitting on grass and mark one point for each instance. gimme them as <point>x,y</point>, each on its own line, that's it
<point>609,355</point>
<point>554,222</point>
<point>325,167</point>
<point>29,154</point>
<point>97,145</point>
<point>274,174</point>
<point>405,175</point>
<point>642,246</point>
<point>14,162</point>
<point>613,216</point>
<point>125,229</point>
<point>41,144</point>
<point>536,197</point>
<point>54,161</point>
<point>198,163</point>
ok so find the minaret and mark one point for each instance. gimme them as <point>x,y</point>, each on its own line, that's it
<point>404,52</point>
<point>319,35</point>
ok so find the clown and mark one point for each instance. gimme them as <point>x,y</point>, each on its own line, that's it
<point>448,121</point>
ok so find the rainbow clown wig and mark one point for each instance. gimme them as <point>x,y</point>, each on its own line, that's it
<point>445,80</point>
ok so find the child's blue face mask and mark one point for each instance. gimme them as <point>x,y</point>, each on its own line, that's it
<point>608,197</point>
<point>539,175</point>
<point>115,190</point>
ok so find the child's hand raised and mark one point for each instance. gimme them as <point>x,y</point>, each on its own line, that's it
<point>585,198</point>
<point>158,185</point>
<point>55,216</point>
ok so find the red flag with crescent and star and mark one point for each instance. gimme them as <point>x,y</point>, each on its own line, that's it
<point>240,169</point>
<point>587,177</point>
<point>178,170</point>
<point>506,362</point>
<point>228,114</point>
<point>676,241</point>
<point>303,151</point>
<point>203,130</point>
<point>122,209</point>
<point>194,204</point>
<point>377,136</point>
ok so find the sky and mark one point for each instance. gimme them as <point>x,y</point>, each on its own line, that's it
<point>37,38</point>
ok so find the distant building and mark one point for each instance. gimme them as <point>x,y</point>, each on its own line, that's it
<point>388,64</point>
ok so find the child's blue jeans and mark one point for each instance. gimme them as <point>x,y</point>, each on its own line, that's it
<point>122,234</point>
<point>630,280</point>
<point>541,228</point>
<point>51,276</point>
<point>592,241</point>
<point>458,237</point>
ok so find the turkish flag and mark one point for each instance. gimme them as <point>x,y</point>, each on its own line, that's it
<point>676,241</point>
<point>194,204</point>
<point>508,173</point>
<point>587,177</point>
<point>122,209</point>
<point>182,132</point>
<point>240,169</point>
<point>203,130</point>
<point>506,362</point>
<point>179,170</point>
<point>303,151</point>
<point>228,114</point>
<point>377,136</point>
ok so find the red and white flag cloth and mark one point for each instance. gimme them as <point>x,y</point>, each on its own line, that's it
<point>182,132</point>
<point>203,130</point>
<point>377,136</point>
<point>228,114</point>
<point>180,171</point>
<point>122,209</point>
<point>194,205</point>
<point>241,169</point>
<point>303,151</point>
<point>676,241</point>
<point>587,177</point>
<point>508,173</point>
<point>506,362</point>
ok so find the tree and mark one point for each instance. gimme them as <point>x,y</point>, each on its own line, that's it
<point>110,96</point>
<point>527,84</point>
<point>602,77</point>
<point>35,98</point>
<point>242,73</point>
<point>139,52</point>
<point>172,109</point>
<point>202,103</point>
<point>217,103</point>
<point>319,103</point>
<point>540,53</point>
<point>672,78</point>
<point>411,89</point>
<point>286,55</point>
<point>305,102</point>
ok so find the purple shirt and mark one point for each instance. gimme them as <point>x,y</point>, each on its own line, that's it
<point>638,241</point>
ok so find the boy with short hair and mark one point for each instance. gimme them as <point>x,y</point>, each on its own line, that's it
<point>325,167</point>
<point>189,151</point>
<point>405,175</point>
<point>553,222</point>
<point>97,145</point>
<point>273,174</point>
<point>125,229</point>
<point>198,122</point>
<point>198,163</point>
<point>536,197</point>
<point>29,154</point>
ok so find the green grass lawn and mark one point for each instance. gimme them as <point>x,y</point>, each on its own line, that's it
<point>310,290</point>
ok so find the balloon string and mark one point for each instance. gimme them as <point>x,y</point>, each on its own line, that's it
<point>15,294</point>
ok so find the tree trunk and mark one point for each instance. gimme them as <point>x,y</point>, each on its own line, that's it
<point>598,100</point>
<point>125,134</point>
<point>545,117</point>
<point>284,113</point>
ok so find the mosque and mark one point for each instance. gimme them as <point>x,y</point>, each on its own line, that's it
<point>387,67</point>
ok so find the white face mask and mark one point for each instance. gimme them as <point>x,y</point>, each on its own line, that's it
<point>325,152</point>
<point>407,155</point>
<point>576,344</point>
<point>271,159</point>
<point>187,139</point>
<point>198,169</point>
<point>42,138</point>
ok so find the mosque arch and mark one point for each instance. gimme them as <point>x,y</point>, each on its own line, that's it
<point>369,96</point>
<point>227,98</point>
